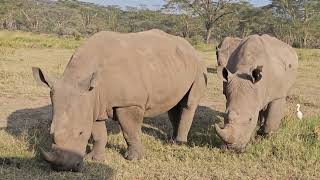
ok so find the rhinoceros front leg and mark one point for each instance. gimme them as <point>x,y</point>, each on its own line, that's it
<point>130,119</point>
<point>99,134</point>
<point>274,115</point>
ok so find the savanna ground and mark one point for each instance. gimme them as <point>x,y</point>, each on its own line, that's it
<point>292,153</point>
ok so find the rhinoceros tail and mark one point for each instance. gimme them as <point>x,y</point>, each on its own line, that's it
<point>205,78</point>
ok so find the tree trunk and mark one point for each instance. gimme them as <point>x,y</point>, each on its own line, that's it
<point>208,36</point>
<point>187,28</point>
<point>305,37</point>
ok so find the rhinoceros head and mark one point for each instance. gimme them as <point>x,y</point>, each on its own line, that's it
<point>225,49</point>
<point>244,92</point>
<point>72,119</point>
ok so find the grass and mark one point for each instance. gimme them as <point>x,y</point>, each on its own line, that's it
<point>292,153</point>
<point>31,40</point>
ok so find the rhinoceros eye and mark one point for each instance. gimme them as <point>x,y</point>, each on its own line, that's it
<point>80,133</point>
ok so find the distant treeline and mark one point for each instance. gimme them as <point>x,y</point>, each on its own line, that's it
<point>202,21</point>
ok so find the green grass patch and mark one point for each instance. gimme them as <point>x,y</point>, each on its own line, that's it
<point>308,54</point>
<point>205,47</point>
<point>32,40</point>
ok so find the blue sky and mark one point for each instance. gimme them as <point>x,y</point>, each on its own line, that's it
<point>153,4</point>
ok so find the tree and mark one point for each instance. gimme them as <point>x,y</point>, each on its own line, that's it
<point>296,22</point>
<point>210,11</point>
<point>112,17</point>
<point>302,15</point>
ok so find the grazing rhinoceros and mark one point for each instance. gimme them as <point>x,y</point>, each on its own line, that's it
<point>223,52</point>
<point>125,77</point>
<point>225,49</point>
<point>259,75</point>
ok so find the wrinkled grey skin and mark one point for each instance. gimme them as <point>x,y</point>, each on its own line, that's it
<point>125,77</point>
<point>258,77</point>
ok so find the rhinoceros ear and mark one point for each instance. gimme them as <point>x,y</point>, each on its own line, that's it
<point>41,78</point>
<point>256,74</point>
<point>224,73</point>
<point>90,83</point>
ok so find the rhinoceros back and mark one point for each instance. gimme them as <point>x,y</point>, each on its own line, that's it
<point>151,69</point>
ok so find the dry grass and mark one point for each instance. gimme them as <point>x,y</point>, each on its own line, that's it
<point>293,153</point>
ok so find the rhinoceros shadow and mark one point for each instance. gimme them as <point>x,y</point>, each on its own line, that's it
<point>35,168</point>
<point>34,125</point>
<point>202,131</point>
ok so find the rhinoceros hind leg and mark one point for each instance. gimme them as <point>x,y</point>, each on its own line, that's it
<point>174,116</point>
<point>186,118</point>
<point>99,134</point>
<point>131,119</point>
<point>186,110</point>
<point>274,115</point>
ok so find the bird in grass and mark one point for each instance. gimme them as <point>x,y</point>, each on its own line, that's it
<point>299,113</point>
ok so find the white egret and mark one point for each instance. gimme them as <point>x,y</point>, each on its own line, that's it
<point>299,113</point>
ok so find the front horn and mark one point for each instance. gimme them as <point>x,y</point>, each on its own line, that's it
<point>224,134</point>
<point>48,156</point>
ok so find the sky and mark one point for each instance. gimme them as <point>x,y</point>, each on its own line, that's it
<point>152,4</point>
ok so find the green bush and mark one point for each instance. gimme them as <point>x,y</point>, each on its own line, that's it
<point>296,44</point>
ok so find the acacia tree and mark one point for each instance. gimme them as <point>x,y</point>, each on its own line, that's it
<point>210,11</point>
<point>302,16</point>
<point>112,17</point>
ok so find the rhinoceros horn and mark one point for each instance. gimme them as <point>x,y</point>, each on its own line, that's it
<point>48,156</point>
<point>223,133</point>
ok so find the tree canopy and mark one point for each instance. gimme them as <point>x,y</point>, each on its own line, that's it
<point>295,22</point>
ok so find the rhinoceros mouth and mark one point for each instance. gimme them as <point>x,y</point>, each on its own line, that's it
<point>63,160</point>
<point>76,168</point>
<point>233,148</point>
<point>225,134</point>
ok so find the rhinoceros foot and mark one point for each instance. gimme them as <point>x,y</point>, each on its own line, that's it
<point>173,141</point>
<point>94,156</point>
<point>134,153</point>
